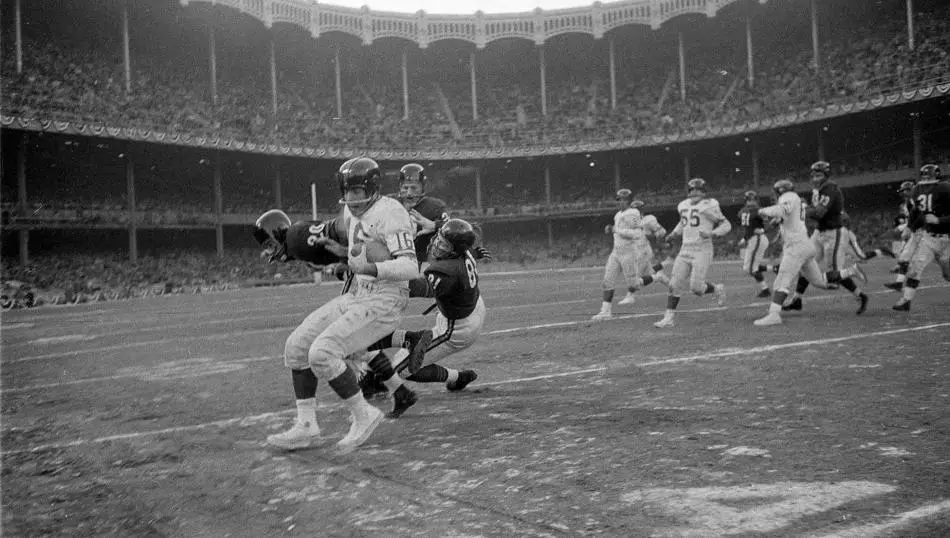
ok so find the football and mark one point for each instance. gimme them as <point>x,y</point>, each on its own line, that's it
<point>376,252</point>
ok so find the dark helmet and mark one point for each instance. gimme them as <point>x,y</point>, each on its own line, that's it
<point>363,173</point>
<point>930,172</point>
<point>624,195</point>
<point>454,238</point>
<point>782,186</point>
<point>696,184</point>
<point>270,231</point>
<point>412,174</point>
<point>751,197</point>
<point>906,188</point>
<point>821,168</point>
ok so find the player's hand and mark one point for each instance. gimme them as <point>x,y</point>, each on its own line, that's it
<point>741,242</point>
<point>341,271</point>
<point>930,218</point>
<point>482,253</point>
<point>609,229</point>
<point>425,224</point>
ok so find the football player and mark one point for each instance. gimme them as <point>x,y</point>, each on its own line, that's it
<point>428,213</point>
<point>451,278</point>
<point>625,257</point>
<point>931,212</point>
<point>376,296</point>
<point>754,241</point>
<point>908,232</point>
<point>827,203</point>
<point>649,264</point>
<point>323,244</point>
<point>701,219</point>
<point>798,251</point>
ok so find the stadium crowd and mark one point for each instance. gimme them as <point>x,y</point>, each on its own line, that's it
<point>79,81</point>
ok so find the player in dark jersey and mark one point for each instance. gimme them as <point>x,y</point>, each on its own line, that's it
<point>931,214</point>
<point>907,233</point>
<point>827,204</point>
<point>754,241</point>
<point>427,212</point>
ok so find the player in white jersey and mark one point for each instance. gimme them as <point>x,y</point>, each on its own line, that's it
<point>371,307</point>
<point>651,228</point>
<point>798,250</point>
<point>701,219</point>
<point>626,257</point>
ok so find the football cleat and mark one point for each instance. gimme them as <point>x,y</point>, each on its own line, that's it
<point>602,316</point>
<point>720,291</point>
<point>667,321</point>
<point>772,318</point>
<point>300,435</point>
<point>419,343</point>
<point>862,303</point>
<point>895,286</point>
<point>764,294</point>
<point>403,399</point>
<point>629,299</point>
<point>465,377</point>
<point>902,306</point>
<point>794,304</point>
<point>362,426</point>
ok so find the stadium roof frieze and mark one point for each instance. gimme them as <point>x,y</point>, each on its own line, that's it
<point>479,28</point>
<point>271,147</point>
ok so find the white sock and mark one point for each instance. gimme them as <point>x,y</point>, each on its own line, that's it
<point>307,411</point>
<point>399,338</point>
<point>605,306</point>
<point>357,404</point>
<point>393,383</point>
<point>901,278</point>
<point>775,308</point>
<point>764,285</point>
<point>669,313</point>
<point>453,376</point>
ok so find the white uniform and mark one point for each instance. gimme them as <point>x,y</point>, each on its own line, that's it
<point>650,227</point>
<point>370,307</point>
<point>623,259</point>
<point>798,251</point>
<point>695,256</point>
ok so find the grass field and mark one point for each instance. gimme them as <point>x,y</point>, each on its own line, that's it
<point>147,418</point>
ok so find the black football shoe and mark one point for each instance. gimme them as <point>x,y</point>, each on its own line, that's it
<point>465,377</point>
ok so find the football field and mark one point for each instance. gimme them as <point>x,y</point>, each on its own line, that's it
<point>148,418</point>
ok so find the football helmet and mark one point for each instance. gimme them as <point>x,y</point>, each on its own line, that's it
<point>624,197</point>
<point>412,183</point>
<point>782,186</point>
<point>359,173</point>
<point>637,204</point>
<point>454,238</point>
<point>696,189</point>
<point>819,173</point>
<point>751,197</point>
<point>930,172</point>
<point>270,231</point>
<point>906,188</point>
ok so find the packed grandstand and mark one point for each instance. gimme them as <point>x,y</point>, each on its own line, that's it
<point>534,158</point>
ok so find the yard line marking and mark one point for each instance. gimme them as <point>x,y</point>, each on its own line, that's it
<point>776,347</point>
<point>902,521</point>
<point>60,339</point>
<point>253,418</point>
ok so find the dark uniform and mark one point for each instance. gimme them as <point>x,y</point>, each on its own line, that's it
<point>827,203</point>
<point>453,282</point>
<point>930,197</point>
<point>753,232</point>
<point>302,237</point>
<point>435,210</point>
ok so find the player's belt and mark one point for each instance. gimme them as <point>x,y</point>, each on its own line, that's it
<point>369,287</point>
<point>759,231</point>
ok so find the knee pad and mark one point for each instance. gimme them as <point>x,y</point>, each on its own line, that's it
<point>295,354</point>
<point>326,360</point>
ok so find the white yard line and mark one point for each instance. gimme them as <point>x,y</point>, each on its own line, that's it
<point>689,358</point>
<point>898,523</point>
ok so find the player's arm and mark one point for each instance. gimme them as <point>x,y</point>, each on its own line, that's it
<point>721,225</point>
<point>403,266</point>
<point>433,284</point>
<point>941,203</point>
<point>628,225</point>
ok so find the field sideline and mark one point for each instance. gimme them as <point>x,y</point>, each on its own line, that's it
<point>147,417</point>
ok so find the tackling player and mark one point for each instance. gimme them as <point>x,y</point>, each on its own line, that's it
<point>377,294</point>
<point>427,213</point>
<point>701,219</point>
<point>754,241</point>
<point>931,198</point>
<point>627,255</point>
<point>452,280</point>
<point>827,203</point>
<point>798,251</point>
